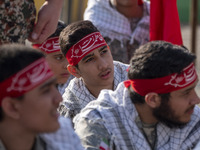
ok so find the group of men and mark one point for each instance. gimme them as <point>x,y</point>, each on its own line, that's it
<point>150,103</point>
<point>154,106</point>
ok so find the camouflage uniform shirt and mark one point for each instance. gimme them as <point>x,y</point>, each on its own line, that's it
<point>17,19</point>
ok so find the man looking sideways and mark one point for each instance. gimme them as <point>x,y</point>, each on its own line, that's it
<point>29,101</point>
<point>91,62</point>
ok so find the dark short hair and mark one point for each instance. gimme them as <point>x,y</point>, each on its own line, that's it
<point>158,59</point>
<point>74,32</point>
<point>61,25</point>
<point>13,58</point>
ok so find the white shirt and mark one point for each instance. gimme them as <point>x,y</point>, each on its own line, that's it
<point>115,114</point>
<point>77,96</point>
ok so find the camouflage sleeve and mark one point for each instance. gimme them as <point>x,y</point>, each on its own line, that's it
<point>93,135</point>
<point>17,20</point>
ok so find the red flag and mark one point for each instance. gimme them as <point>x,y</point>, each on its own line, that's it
<point>164,21</point>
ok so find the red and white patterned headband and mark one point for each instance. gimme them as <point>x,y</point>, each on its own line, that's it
<point>84,46</point>
<point>51,45</point>
<point>26,79</point>
<point>165,84</point>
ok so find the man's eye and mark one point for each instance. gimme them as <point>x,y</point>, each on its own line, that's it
<point>46,90</point>
<point>187,93</point>
<point>59,57</point>
<point>104,51</point>
<point>89,59</point>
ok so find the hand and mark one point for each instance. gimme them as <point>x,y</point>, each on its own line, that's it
<point>47,20</point>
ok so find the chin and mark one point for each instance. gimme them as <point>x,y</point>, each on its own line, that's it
<point>175,124</point>
<point>186,120</point>
<point>54,127</point>
<point>62,81</point>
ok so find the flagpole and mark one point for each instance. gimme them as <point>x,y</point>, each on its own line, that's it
<point>193,21</point>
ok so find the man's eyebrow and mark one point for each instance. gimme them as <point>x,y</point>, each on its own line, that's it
<point>102,48</point>
<point>90,55</point>
<point>189,89</point>
<point>58,55</point>
<point>87,56</point>
<point>48,83</point>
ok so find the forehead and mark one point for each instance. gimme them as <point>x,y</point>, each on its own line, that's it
<point>55,53</point>
<point>46,83</point>
<point>188,88</point>
<point>95,50</point>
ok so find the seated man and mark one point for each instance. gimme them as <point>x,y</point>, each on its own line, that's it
<point>123,23</point>
<point>56,60</point>
<point>154,109</point>
<point>91,62</point>
<point>29,101</point>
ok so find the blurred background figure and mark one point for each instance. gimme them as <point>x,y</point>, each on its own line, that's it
<point>123,24</point>
<point>28,98</point>
<point>29,102</point>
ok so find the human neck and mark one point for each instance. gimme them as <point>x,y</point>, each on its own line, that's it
<point>95,90</point>
<point>145,114</point>
<point>15,137</point>
<point>132,11</point>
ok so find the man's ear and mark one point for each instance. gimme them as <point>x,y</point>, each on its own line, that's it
<point>152,99</point>
<point>10,107</point>
<point>73,70</point>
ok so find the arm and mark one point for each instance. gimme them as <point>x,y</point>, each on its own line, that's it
<point>46,24</point>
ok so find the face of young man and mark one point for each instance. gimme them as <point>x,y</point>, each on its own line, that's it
<point>97,69</point>
<point>58,64</point>
<point>177,111</point>
<point>38,109</point>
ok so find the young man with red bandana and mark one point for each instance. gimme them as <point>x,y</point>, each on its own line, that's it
<point>91,62</point>
<point>55,58</point>
<point>154,109</point>
<point>29,101</point>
